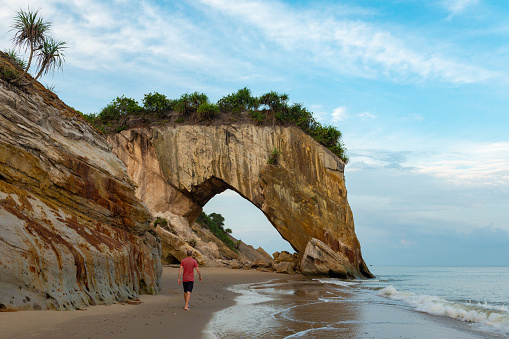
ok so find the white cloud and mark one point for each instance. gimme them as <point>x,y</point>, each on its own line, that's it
<point>458,6</point>
<point>453,162</point>
<point>173,41</point>
<point>365,115</point>
<point>338,114</point>
<point>347,46</point>
<point>414,117</point>
<point>471,164</point>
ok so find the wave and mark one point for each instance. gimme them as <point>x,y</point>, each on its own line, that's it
<point>485,316</point>
<point>335,281</point>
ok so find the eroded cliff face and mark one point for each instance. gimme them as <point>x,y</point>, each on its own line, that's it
<point>179,168</point>
<point>72,232</point>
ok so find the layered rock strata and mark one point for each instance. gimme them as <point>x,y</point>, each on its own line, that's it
<point>72,232</point>
<point>297,183</point>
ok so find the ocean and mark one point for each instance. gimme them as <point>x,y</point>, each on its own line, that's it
<point>402,302</point>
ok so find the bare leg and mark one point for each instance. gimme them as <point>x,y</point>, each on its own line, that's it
<point>187,296</point>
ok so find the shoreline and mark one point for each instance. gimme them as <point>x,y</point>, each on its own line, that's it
<point>291,308</point>
<point>156,315</point>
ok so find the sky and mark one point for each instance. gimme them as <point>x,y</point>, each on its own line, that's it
<point>419,90</point>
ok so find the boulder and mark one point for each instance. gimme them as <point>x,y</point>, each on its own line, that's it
<point>175,249</point>
<point>286,256</point>
<point>235,264</point>
<point>320,260</point>
<point>261,264</point>
<point>285,267</point>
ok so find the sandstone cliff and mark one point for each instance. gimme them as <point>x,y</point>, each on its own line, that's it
<point>178,169</point>
<point>72,232</point>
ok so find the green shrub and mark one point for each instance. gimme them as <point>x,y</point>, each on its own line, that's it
<point>120,128</point>
<point>237,102</point>
<point>274,101</point>
<point>208,111</point>
<point>9,72</point>
<point>91,117</point>
<point>180,120</point>
<point>215,222</point>
<point>188,103</point>
<point>161,221</point>
<point>258,116</point>
<point>273,157</point>
<point>327,135</point>
<point>121,106</point>
<point>15,59</point>
<point>157,103</point>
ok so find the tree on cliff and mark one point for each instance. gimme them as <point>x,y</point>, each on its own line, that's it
<point>50,57</point>
<point>31,34</point>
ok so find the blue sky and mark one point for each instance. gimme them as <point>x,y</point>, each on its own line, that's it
<point>418,88</point>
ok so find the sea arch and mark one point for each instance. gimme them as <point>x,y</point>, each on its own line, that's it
<point>297,183</point>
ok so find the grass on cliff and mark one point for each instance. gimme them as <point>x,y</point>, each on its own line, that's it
<point>215,222</point>
<point>268,109</point>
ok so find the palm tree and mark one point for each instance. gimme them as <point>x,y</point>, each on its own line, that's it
<point>50,57</point>
<point>30,32</point>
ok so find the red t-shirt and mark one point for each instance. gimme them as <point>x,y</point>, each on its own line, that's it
<point>188,264</point>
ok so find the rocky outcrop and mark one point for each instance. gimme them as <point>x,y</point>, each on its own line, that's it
<point>320,260</point>
<point>72,232</point>
<point>302,191</point>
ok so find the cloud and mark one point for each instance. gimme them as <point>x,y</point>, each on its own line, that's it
<point>338,114</point>
<point>469,163</point>
<point>366,115</point>
<point>347,46</point>
<point>453,162</point>
<point>458,6</point>
<point>414,117</point>
<point>377,158</point>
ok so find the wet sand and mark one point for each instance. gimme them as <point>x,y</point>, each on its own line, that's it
<point>160,316</point>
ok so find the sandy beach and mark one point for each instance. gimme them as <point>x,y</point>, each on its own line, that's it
<point>163,316</point>
<point>157,316</point>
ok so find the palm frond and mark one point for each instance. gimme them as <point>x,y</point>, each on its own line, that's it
<point>29,29</point>
<point>51,56</point>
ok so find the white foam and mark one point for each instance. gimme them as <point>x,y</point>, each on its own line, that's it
<point>485,316</point>
<point>337,282</point>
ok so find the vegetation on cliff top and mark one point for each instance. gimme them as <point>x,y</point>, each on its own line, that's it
<point>268,109</point>
<point>215,222</point>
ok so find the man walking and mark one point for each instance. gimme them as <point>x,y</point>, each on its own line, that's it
<point>187,266</point>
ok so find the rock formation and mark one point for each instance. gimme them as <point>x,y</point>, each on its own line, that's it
<point>178,169</point>
<point>72,232</point>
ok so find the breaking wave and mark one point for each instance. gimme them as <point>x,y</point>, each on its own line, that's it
<point>484,316</point>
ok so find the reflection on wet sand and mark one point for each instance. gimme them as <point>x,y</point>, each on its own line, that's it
<point>307,308</point>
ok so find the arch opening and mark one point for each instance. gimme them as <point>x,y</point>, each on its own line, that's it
<point>247,222</point>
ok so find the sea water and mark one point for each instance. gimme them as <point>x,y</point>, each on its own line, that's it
<point>405,302</point>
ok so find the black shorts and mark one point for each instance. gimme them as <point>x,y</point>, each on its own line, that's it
<point>188,286</point>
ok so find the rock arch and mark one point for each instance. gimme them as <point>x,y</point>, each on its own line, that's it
<point>178,169</point>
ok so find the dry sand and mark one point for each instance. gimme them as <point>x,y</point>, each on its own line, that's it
<point>159,316</point>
